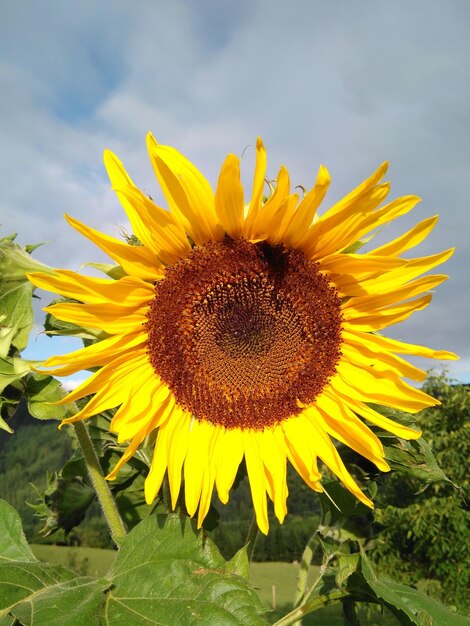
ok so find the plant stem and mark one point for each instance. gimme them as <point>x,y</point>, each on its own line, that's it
<point>304,567</point>
<point>316,604</point>
<point>251,537</point>
<point>105,497</point>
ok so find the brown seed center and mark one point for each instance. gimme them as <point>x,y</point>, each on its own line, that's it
<point>243,332</point>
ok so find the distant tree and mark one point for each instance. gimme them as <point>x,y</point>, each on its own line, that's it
<point>26,456</point>
<point>426,535</point>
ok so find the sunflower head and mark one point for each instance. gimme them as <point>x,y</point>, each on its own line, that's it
<point>248,331</point>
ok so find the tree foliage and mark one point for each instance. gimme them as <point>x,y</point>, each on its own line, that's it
<point>425,533</point>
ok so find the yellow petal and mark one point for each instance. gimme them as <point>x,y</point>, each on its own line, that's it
<point>256,477</point>
<point>131,290</point>
<point>188,193</point>
<point>335,229</point>
<point>344,205</point>
<point>302,218</point>
<point>96,354</point>
<point>128,454</point>
<point>409,240</point>
<point>369,304</point>
<point>395,278</point>
<point>370,386</point>
<point>105,398</point>
<point>135,406</point>
<point>258,188</point>
<point>368,354</point>
<point>177,450</point>
<point>159,464</point>
<point>330,234</point>
<point>230,456</point>
<point>385,214</point>
<point>201,441</point>
<point>384,422</point>
<point>110,374</point>
<point>138,438</point>
<point>285,216</point>
<point>154,406</point>
<point>299,450</point>
<point>209,479</point>
<point>120,181</point>
<point>111,318</point>
<point>170,419</point>
<point>358,265</point>
<point>385,317</point>
<point>353,229</point>
<point>156,228</point>
<point>135,260</point>
<point>330,457</point>
<point>274,459</point>
<point>341,423</point>
<point>385,343</point>
<point>229,197</point>
<point>271,212</point>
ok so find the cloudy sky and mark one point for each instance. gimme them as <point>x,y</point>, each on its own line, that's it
<point>347,84</point>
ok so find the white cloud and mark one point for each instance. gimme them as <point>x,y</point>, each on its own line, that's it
<point>70,384</point>
<point>346,84</point>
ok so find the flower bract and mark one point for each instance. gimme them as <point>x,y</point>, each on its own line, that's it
<point>248,329</point>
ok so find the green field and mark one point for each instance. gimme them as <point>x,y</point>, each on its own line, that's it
<point>96,562</point>
<point>85,561</point>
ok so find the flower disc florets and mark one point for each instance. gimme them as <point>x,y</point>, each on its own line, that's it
<point>242,332</point>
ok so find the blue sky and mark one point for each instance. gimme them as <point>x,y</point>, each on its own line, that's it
<point>345,84</point>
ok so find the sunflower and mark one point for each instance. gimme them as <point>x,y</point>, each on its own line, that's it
<point>247,331</point>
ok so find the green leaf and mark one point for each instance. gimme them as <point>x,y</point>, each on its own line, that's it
<point>11,237</point>
<point>40,392</point>
<point>19,581</point>
<point>357,245</point>
<point>13,544</point>
<point>239,563</point>
<point>54,326</point>
<point>9,399</point>
<point>16,262</point>
<point>415,458</point>
<point>6,337</point>
<point>12,370</point>
<point>49,595</point>
<point>113,271</point>
<point>4,425</point>
<point>16,306</point>
<point>64,503</point>
<point>347,565</point>
<point>78,601</point>
<point>38,593</point>
<point>31,247</point>
<point>338,504</point>
<point>166,574</point>
<point>409,605</point>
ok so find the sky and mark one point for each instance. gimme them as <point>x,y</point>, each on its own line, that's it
<point>345,84</point>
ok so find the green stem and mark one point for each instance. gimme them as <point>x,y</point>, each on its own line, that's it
<point>302,576</point>
<point>349,613</point>
<point>316,604</point>
<point>105,497</point>
<point>251,537</point>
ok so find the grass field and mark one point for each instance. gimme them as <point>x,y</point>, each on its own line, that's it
<point>96,562</point>
<point>85,561</point>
